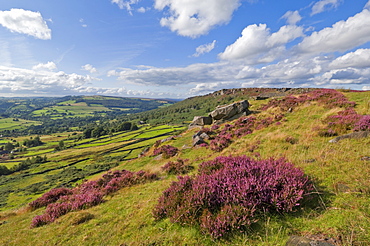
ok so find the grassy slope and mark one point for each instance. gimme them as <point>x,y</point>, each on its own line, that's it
<point>125,218</point>
<point>104,150</point>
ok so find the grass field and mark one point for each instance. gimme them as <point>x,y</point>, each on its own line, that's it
<point>70,109</point>
<point>11,124</point>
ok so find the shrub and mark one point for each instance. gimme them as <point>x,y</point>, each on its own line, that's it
<point>166,150</point>
<point>329,98</point>
<point>340,123</point>
<point>363,124</point>
<point>62,200</point>
<point>177,167</point>
<point>230,192</point>
<point>50,197</point>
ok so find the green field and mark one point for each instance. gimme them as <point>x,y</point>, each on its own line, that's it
<point>11,123</point>
<point>70,109</point>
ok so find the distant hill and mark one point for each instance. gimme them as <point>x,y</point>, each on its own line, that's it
<point>53,114</point>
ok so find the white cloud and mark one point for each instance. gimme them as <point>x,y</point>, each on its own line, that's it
<point>205,48</point>
<point>359,58</point>
<point>323,5</point>
<point>172,76</point>
<point>342,36</point>
<point>82,21</point>
<point>204,88</point>
<point>17,80</point>
<point>193,18</point>
<point>367,6</point>
<point>26,22</point>
<point>257,44</point>
<point>122,4</point>
<point>89,68</point>
<point>345,76</point>
<point>51,66</point>
<point>141,10</point>
<point>292,17</point>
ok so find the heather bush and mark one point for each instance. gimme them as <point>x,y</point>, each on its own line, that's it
<point>177,167</point>
<point>329,98</point>
<point>166,150</point>
<point>229,193</point>
<point>62,201</point>
<point>363,124</point>
<point>242,126</point>
<point>50,197</point>
<point>340,123</point>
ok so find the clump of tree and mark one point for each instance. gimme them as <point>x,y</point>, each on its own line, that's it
<point>60,146</point>
<point>32,142</point>
<point>4,170</point>
<point>108,128</point>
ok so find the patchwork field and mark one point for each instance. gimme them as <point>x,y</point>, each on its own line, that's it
<point>79,160</point>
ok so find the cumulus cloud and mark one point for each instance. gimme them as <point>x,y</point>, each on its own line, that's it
<point>205,48</point>
<point>367,6</point>
<point>40,80</point>
<point>345,76</point>
<point>292,17</point>
<point>257,44</point>
<point>193,18</point>
<point>122,4</point>
<point>89,68</point>
<point>51,66</point>
<point>359,58</point>
<point>172,76</point>
<point>323,5</point>
<point>342,36</point>
<point>142,10</point>
<point>25,22</point>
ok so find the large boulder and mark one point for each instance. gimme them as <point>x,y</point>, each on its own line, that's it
<point>302,241</point>
<point>229,111</point>
<point>201,121</point>
<point>356,135</point>
<point>199,137</point>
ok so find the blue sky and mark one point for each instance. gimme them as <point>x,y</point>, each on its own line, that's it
<point>181,48</point>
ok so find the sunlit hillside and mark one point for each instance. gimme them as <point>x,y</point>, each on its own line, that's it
<point>163,189</point>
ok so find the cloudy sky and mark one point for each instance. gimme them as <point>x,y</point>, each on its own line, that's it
<point>181,48</point>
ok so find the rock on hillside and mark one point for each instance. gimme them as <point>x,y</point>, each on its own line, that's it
<point>222,113</point>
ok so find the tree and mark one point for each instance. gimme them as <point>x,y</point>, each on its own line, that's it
<point>9,146</point>
<point>125,126</point>
<point>61,144</point>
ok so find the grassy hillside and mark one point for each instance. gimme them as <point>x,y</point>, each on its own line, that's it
<point>295,128</point>
<point>77,160</point>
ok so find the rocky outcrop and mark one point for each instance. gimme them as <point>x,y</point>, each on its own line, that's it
<point>222,113</point>
<point>227,112</point>
<point>201,121</point>
<point>199,138</point>
<point>361,134</point>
